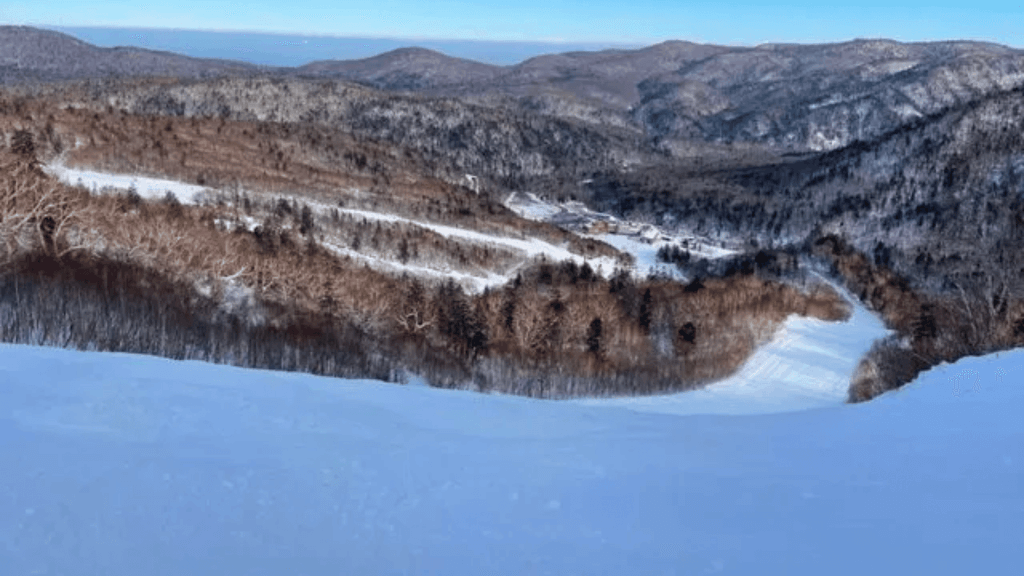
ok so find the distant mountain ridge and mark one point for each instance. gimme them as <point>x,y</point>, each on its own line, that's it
<point>33,54</point>
<point>405,69</point>
<point>783,96</point>
<point>282,49</point>
<point>804,97</point>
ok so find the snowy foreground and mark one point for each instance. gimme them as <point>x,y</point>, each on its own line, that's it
<point>114,464</point>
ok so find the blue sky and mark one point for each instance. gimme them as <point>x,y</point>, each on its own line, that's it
<point>641,21</point>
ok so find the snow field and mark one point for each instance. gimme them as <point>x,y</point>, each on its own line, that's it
<point>808,363</point>
<point>116,464</point>
<point>645,255</point>
<point>149,188</point>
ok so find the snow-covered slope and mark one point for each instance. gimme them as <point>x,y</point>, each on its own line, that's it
<point>642,240</point>
<point>151,188</point>
<point>472,278</point>
<point>528,249</point>
<point>124,465</point>
<point>808,363</point>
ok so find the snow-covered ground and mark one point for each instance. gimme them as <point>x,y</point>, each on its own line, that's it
<point>645,255</point>
<point>475,280</point>
<point>472,283</point>
<point>642,240</point>
<point>114,464</point>
<point>529,248</point>
<point>808,363</point>
<point>151,188</point>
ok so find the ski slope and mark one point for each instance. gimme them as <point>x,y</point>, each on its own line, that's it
<point>808,363</point>
<point>473,280</point>
<point>156,188</point>
<point>529,248</point>
<point>114,464</point>
<point>149,188</point>
<point>472,283</point>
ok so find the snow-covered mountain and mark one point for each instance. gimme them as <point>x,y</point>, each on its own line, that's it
<point>123,465</point>
<point>500,236</point>
<point>784,96</point>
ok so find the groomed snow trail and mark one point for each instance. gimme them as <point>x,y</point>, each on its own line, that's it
<point>808,363</point>
<point>472,283</point>
<point>529,248</point>
<point>114,464</point>
<point>150,188</point>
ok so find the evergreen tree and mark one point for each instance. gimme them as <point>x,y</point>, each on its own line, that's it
<point>644,318</point>
<point>594,337</point>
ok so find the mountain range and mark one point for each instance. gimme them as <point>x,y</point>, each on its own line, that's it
<point>895,169</point>
<point>788,97</point>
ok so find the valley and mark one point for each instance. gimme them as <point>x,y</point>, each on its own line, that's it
<point>584,225</point>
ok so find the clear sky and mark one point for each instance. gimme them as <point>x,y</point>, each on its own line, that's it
<point>638,21</point>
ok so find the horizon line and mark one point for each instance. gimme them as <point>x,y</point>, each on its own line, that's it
<point>553,41</point>
<point>611,44</point>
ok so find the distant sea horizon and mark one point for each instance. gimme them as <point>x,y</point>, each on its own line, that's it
<point>269,49</point>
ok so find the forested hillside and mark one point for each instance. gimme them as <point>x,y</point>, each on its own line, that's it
<point>370,202</point>
<point>306,239</point>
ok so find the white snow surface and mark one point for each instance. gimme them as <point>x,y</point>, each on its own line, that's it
<point>150,188</point>
<point>808,363</point>
<point>472,283</point>
<point>530,247</point>
<point>476,280</point>
<point>642,240</point>
<point>645,255</point>
<point>530,206</point>
<point>115,464</point>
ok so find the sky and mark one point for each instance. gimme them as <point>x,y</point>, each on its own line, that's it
<point>741,22</point>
